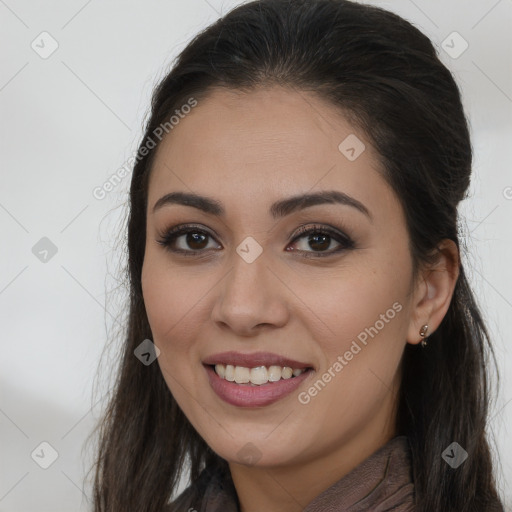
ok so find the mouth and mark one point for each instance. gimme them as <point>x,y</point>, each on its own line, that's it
<point>257,376</point>
<point>254,380</point>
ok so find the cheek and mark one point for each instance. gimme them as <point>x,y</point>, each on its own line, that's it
<point>173,309</point>
<point>159,300</point>
<point>355,304</point>
<point>359,324</point>
<point>170,296</point>
<point>359,320</point>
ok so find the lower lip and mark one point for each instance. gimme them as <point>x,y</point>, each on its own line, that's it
<point>245,395</point>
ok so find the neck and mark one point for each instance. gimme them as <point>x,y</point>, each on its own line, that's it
<point>290,488</point>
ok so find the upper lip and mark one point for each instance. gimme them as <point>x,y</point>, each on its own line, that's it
<point>254,359</point>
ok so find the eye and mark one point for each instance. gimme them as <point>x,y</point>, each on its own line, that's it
<point>319,240</point>
<point>187,240</point>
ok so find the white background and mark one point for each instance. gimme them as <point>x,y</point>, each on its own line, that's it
<point>70,121</point>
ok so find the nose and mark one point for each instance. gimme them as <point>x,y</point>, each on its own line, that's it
<point>251,297</point>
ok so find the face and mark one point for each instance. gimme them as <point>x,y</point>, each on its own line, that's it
<point>320,285</point>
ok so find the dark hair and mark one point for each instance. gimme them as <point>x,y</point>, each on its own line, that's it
<point>385,76</point>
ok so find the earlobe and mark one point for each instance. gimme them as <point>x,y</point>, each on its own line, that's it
<point>424,335</point>
<point>434,294</point>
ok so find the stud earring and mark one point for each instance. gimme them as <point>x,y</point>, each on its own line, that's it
<point>423,334</point>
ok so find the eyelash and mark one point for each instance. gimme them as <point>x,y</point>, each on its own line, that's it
<point>346,243</point>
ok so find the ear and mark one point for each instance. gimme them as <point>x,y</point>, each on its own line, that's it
<point>433,291</point>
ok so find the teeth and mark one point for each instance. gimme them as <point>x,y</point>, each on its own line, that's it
<point>221,370</point>
<point>274,373</point>
<point>242,374</point>
<point>230,373</point>
<point>286,372</point>
<point>259,375</point>
<point>256,376</point>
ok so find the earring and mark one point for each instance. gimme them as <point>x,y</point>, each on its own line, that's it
<point>423,334</point>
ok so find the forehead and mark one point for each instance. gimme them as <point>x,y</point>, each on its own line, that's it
<point>257,146</point>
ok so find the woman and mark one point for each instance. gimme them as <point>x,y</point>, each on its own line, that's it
<point>294,257</point>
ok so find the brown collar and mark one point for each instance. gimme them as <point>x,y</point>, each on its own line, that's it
<point>382,482</point>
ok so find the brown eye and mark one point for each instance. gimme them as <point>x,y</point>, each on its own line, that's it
<point>196,240</point>
<point>188,240</point>
<point>321,241</point>
<point>310,241</point>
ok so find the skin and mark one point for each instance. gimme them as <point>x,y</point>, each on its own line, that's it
<point>248,150</point>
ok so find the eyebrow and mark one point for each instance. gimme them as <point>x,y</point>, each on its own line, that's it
<point>277,210</point>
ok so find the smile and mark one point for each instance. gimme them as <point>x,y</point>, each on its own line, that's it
<point>256,376</point>
<point>254,379</point>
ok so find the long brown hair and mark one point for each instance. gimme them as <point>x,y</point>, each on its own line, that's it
<point>386,76</point>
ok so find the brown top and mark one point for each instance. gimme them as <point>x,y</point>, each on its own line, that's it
<point>381,483</point>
